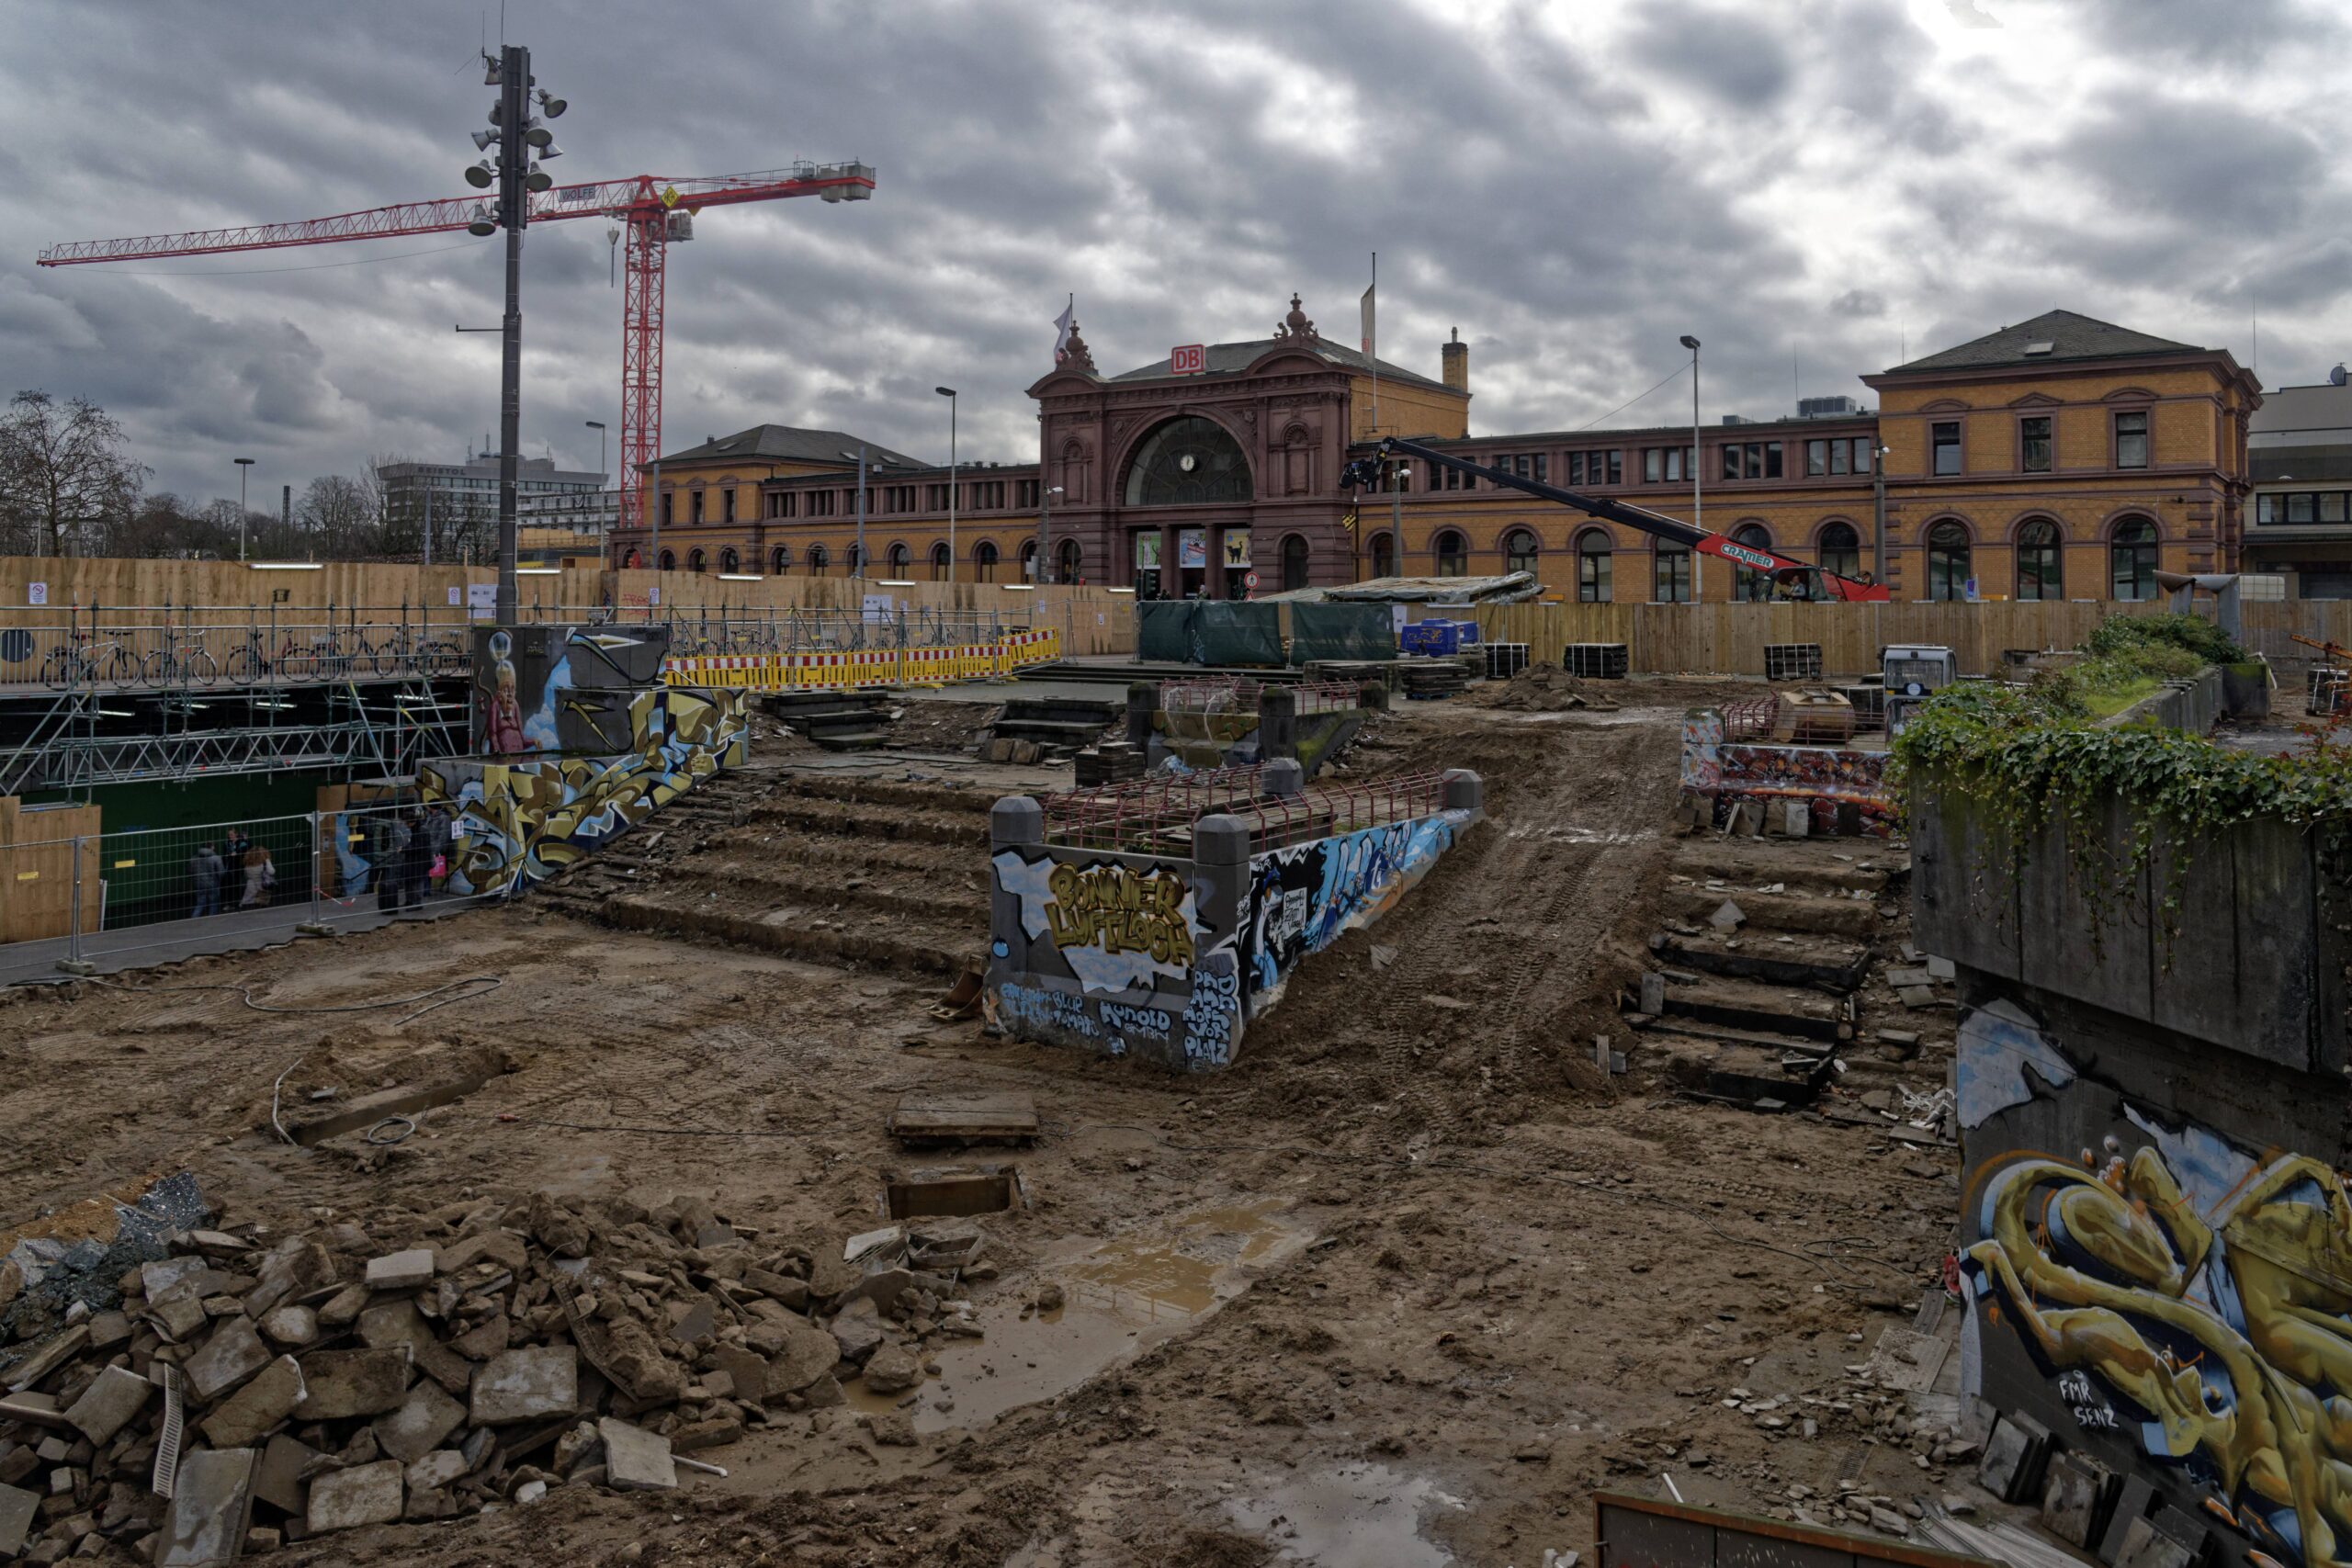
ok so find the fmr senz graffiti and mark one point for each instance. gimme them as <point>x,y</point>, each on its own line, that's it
<point>518,821</point>
<point>1305,897</point>
<point>2173,1290</point>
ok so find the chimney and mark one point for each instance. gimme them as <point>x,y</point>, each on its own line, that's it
<point>1457,362</point>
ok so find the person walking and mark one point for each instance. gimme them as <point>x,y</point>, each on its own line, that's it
<point>261,875</point>
<point>438,841</point>
<point>416,862</point>
<point>233,849</point>
<point>392,843</point>
<point>205,870</point>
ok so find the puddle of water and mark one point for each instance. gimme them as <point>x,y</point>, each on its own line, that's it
<point>1355,1515</point>
<point>1120,1296</point>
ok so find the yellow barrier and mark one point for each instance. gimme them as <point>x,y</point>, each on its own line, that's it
<point>867,667</point>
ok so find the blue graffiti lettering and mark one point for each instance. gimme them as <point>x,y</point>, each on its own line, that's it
<point>1209,1017</point>
<point>1127,1020</point>
<point>1048,1010</point>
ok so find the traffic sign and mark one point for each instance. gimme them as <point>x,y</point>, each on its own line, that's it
<point>1249,581</point>
<point>1189,360</point>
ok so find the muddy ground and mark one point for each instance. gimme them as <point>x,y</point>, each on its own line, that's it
<point>1405,1286</point>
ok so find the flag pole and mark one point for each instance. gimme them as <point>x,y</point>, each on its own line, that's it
<point>1371,346</point>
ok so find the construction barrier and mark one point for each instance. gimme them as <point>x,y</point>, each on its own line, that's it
<point>855,668</point>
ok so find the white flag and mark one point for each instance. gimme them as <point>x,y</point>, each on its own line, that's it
<point>1368,334</point>
<point>1061,340</point>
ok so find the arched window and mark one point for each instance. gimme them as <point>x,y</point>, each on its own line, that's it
<point>1841,549</point>
<point>1749,586</point>
<point>696,559</point>
<point>729,560</point>
<point>2131,559</point>
<point>1187,461</point>
<point>939,563</point>
<point>1452,554</point>
<point>2041,570</point>
<point>1028,560</point>
<point>984,558</point>
<point>1948,561</point>
<point>1519,550</point>
<point>668,557</point>
<point>1384,555</point>
<point>817,560</point>
<point>857,558</point>
<point>1070,562</point>
<point>1295,559</point>
<point>780,559</point>
<point>1595,553</point>
<point>632,561</point>
<point>901,561</point>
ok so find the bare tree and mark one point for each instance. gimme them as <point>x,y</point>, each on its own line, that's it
<point>65,475</point>
<point>340,518</point>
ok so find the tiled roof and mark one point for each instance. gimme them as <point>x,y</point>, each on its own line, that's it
<point>789,443</point>
<point>2053,336</point>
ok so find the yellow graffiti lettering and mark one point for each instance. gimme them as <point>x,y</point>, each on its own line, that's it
<point>1119,910</point>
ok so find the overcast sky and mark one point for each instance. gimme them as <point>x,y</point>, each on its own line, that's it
<point>1809,186</point>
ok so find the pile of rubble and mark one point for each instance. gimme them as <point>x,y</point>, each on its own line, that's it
<point>237,1391</point>
<point>1541,688</point>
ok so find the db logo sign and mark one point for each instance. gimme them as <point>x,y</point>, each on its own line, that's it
<point>1189,360</point>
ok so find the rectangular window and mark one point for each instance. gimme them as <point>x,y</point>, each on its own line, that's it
<point>1616,466</point>
<point>1817,456</point>
<point>1592,576</point>
<point>1755,469</point>
<point>728,504</point>
<point>1543,468</point>
<point>1772,459</point>
<point>2034,444</point>
<point>1837,457</point>
<point>1945,438</point>
<point>2299,507</point>
<point>1673,586</point>
<point>1731,459</point>
<point>1653,463</point>
<point>1576,468</point>
<point>693,507</point>
<point>1862,454</point>
<point>1674,464</point>
<point>2132,441</point>
<point>937,498</point>
<point>2331,506</point>
<point>2265,509</point>
<point>667,496</point>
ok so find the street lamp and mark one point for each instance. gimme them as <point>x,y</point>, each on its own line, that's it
<point>859,456</point>
<point>242,464</point>
<point>520,140</point>
<point>1045,513</point>
<point>949,393</point>
<point>1878,509</point>
<point>1698,507</point>
<point>598,426</point>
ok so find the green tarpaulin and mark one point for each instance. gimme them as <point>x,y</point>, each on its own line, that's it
<point>1208,631</point>
<point>1331,631</point>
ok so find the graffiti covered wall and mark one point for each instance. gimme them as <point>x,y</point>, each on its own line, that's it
<point>1844,788</point>
<point>520,818</point>
<point>562,689</point>
<point>1169,960</point>
<point>2157,1257</point>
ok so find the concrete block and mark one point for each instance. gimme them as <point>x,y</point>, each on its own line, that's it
<point>278,1479</point>
<point>387,1324</point>
<point>109,1404</point>
<point>343,1309</point>
<point>2132,1501</point>
<point>248,1415</point>
<point>807,1354</point>
<point>364,1495</point>
<point>402,1271</point>
<point>634,1459</point>
<point>440,1469</point>
<point>212,1504</point>
<point>2014,1456</point>
<point>1652,992</point>
<point>748,1370</point>
<point>422,1424</point>
<point>2144,1546</point>
<point>1728,917</point>
<point>294,1325</point>
<point>17,1508</point>
<point>354,1382</point>
<point>1941,968</point>
<point>295,1269</point>
<point>233,1354</point>
<point>2075,1497</point>
<point>526,1385</point>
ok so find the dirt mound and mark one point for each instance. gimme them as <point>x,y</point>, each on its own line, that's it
<point>1540,688</point>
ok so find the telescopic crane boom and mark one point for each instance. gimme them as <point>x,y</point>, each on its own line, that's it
<point>1794,578</point>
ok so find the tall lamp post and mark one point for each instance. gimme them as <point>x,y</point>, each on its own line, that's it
<point>1698,508</point>
<point>859,567</point>
<point>1878,509</point>
<point>1045,514</point>
<point>949,393</point>
<point>242,464</point>
<point>520,137</point>
<point>598,426</point>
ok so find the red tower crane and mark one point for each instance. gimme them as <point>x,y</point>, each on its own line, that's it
<point>654,211</point>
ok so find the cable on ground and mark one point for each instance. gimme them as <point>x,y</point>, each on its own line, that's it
<point>488,982</point>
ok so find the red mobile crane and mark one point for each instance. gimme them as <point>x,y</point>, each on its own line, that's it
<point>655,212</point>
<point>1794,578</point>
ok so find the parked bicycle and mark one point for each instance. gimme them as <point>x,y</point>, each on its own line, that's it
<point>181,662</point>
<point>83,661</point>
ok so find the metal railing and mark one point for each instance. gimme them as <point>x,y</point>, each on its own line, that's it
<point>148,888</point>
<point>1239,693</point>
<point>1154,814</point>
<point>85,648</point>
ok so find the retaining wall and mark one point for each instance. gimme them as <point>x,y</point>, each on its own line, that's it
<point>1168,959</point>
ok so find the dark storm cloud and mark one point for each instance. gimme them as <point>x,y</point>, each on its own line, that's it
<point>1530,173</point>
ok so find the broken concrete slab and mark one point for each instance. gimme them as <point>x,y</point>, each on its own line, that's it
<point>291,1270</point>
<point>422,1424</point>
<point>213,1503</point>
<point>16,1509</point>
<point>505,1249</point>
<point>1916,996</point>
<point>294,1325</point>
<point>1898,978</point>
<point>354,1382</point>
<point>48,1359</point>
<point>364,1495</point>
<point>441,1468</point>
<point>2144,1546</point>
<point>409,1270</point>
<point>746,1369</point>
<point>807,1354</point>
<point>634,1459</point>
<point>108,1403</point>
<point>343,1309</point>
<point>246,1416</point>
<point>388,1324</point>
<point>2076,1499</point>
<point>278,1479</point>
<point>857,1329</point>
<point>1728,917</point>
<point>233,1354</point>
<point>891,1370</point>
<point>2014,1456</point>
<point>526,1385</point>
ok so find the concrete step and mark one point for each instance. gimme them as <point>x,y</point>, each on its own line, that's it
<point>1781,959</point>
<point>1803,1014</point>
<point>1802,865</point>
<point>1823,914</point>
